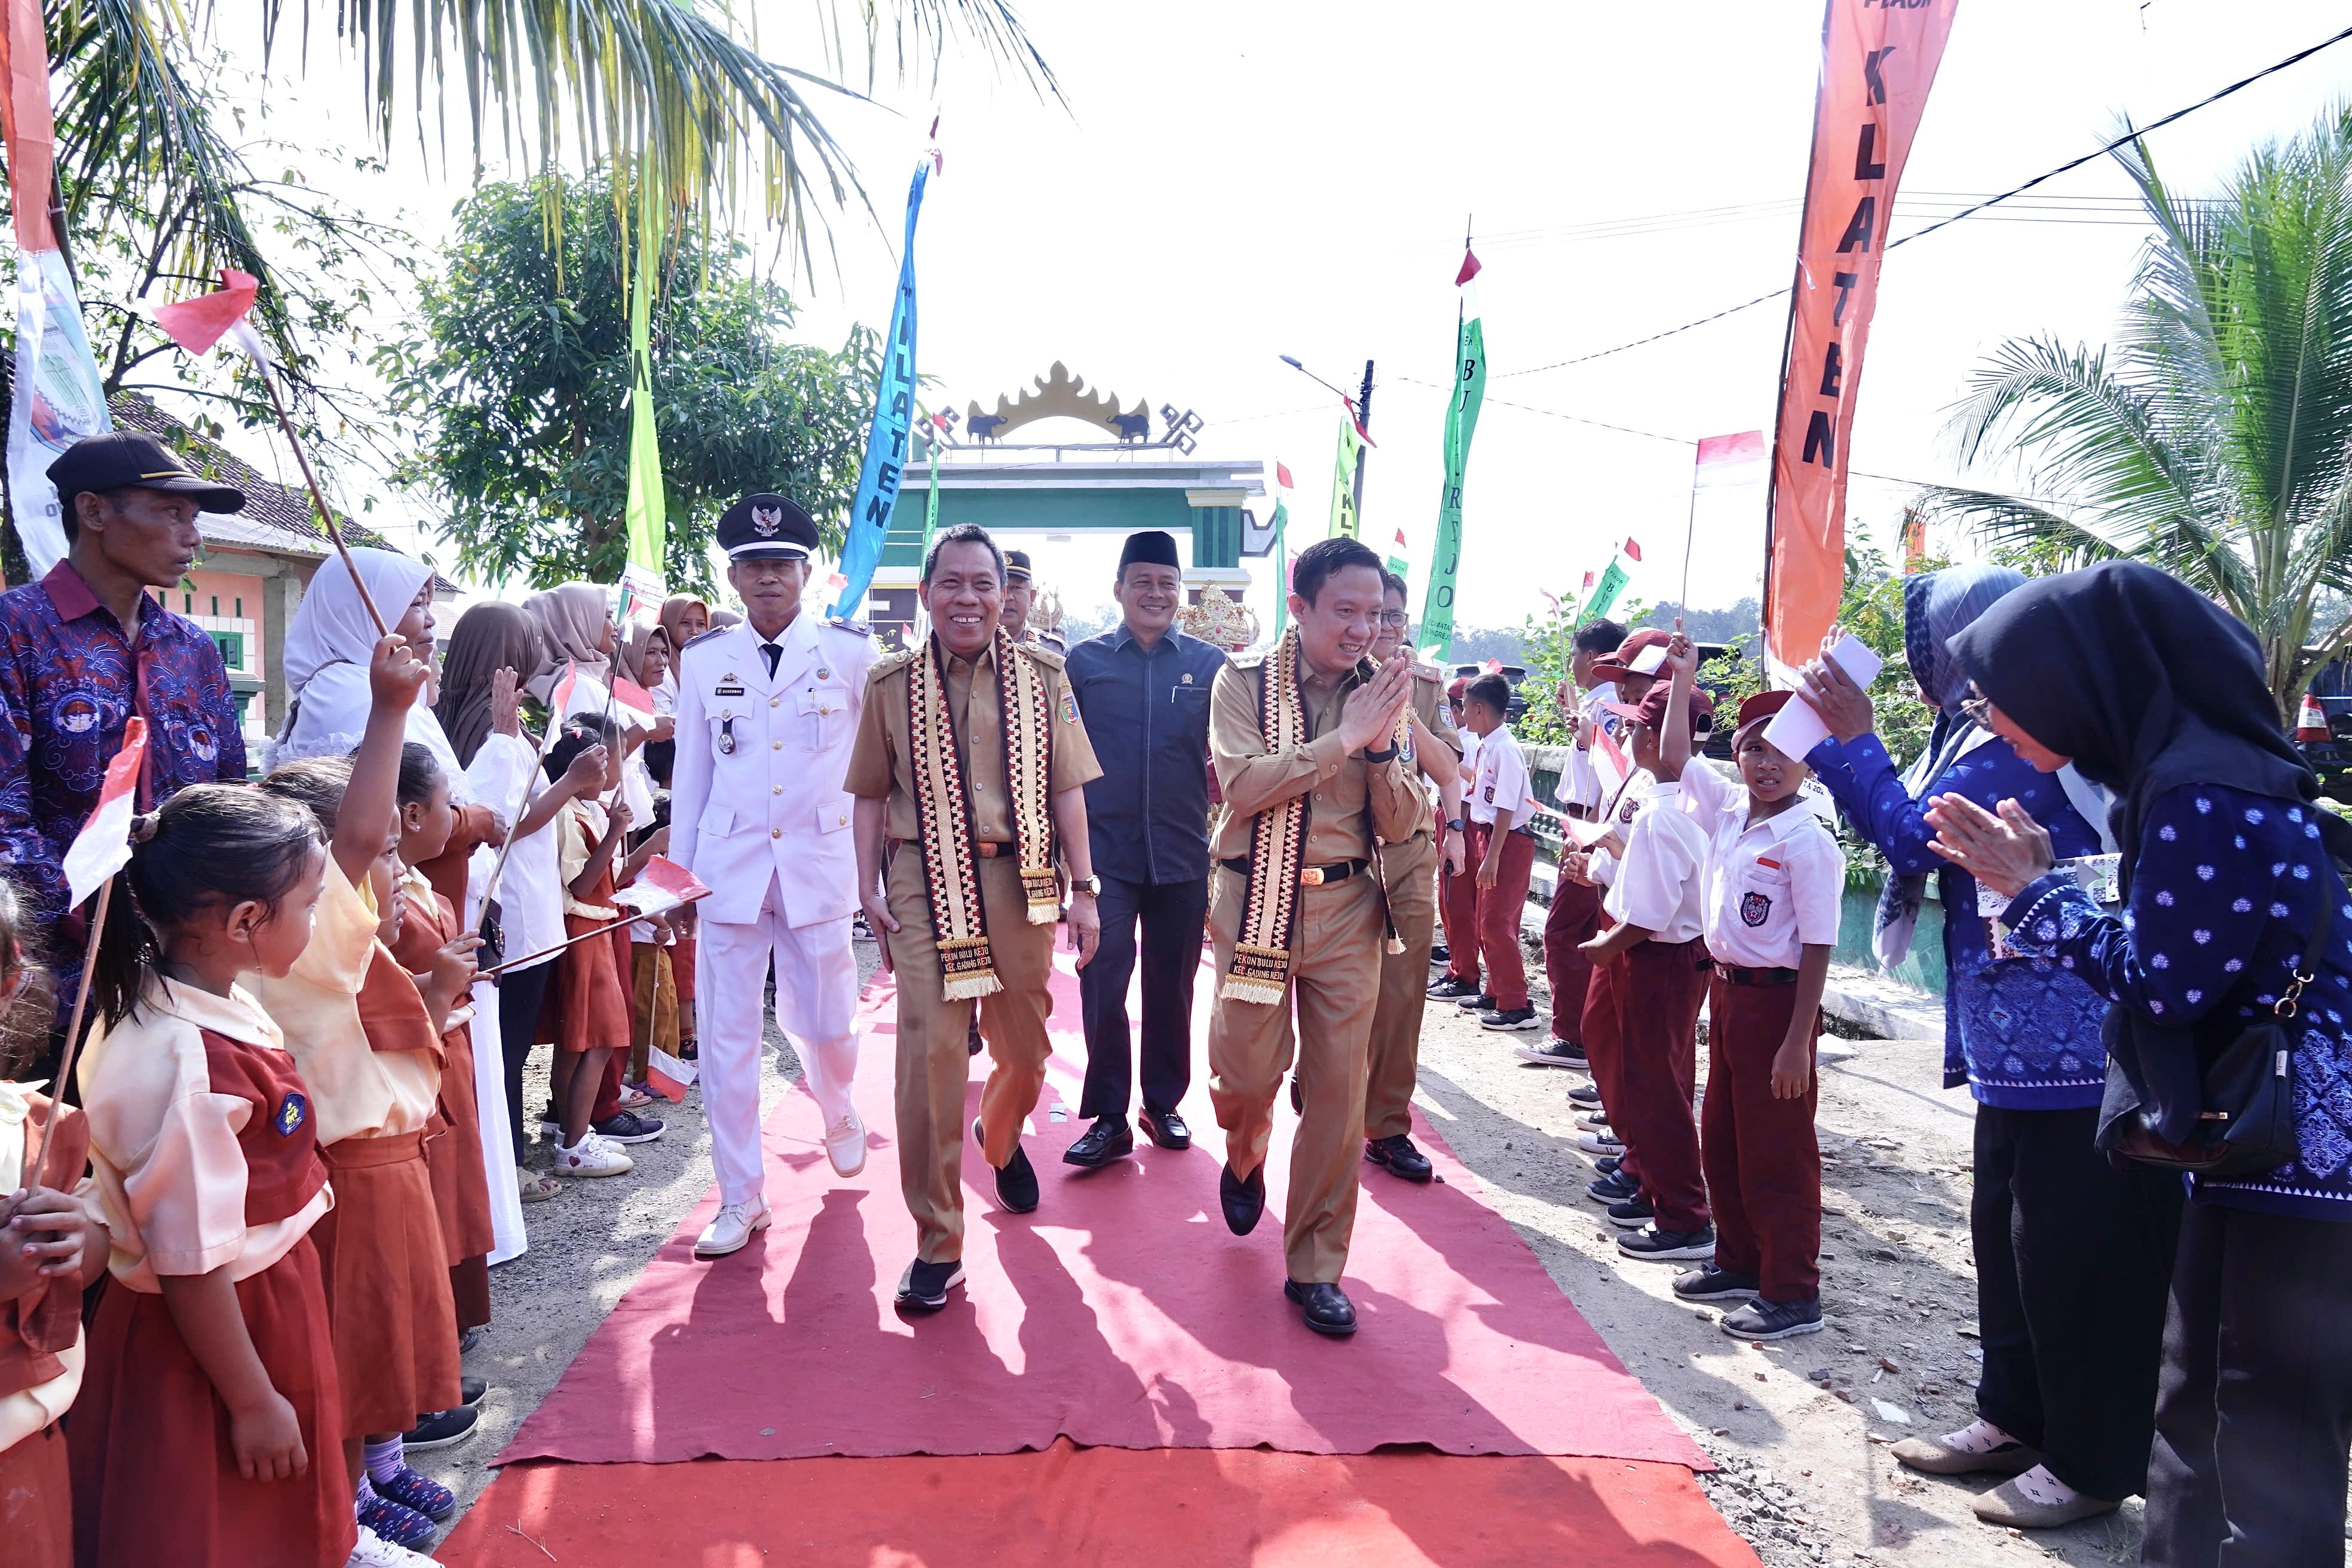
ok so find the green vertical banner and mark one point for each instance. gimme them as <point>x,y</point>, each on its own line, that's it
<point>1461,424</point>
<point>1344,522</point>
<point>931,502</point>
<point>1281,565</point>
<point>644,582</point>
<point>1604,594</point>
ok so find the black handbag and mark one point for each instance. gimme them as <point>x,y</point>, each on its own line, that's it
<point>2242,1121</point>
<point>493,950</point>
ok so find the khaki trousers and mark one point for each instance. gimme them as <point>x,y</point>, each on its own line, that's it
<point>1410,868</point>
<point>933,1063</point>
<point>1335,962</point>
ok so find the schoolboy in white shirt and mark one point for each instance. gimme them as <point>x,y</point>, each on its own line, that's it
<point>1775,877</point>
<point>1503,804</point>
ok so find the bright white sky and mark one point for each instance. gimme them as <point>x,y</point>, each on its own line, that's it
<point>1233,181</point>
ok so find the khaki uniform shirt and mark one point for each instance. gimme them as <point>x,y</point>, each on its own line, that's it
<point>1349,798</point>
<point>1429,706</point>
<point>882,757</point>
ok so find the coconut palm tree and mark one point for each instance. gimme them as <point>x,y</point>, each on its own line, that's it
<point>2213,438</point>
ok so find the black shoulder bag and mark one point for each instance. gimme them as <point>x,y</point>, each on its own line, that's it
<point>2233,1118</point>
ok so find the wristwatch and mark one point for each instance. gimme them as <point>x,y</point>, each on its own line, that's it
<point>1086,885</point>
<point>1454,824</point>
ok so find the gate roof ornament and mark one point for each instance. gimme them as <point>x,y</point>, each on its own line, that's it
<point>1060,394</point>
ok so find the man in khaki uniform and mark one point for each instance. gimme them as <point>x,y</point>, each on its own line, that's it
<point>1348,775</point>
<point>914,895</point>
<point>1408,873</point>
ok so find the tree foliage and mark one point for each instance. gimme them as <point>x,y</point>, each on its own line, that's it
<point>2213,438</point>
<point>517,385</point>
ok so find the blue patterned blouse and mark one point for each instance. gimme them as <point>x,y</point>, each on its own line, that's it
<point>2223,898</point>
<point>2021,1032</point>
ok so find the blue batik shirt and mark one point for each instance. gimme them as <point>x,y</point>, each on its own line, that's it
<point>2021,1032</point>
<point>2224,895</point>
<point>70,682</point>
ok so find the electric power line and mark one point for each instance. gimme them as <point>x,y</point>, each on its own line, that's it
<point>2296,59</point>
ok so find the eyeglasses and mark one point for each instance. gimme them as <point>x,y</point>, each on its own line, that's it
<point>1977,708</point>
<point>1396,620</point>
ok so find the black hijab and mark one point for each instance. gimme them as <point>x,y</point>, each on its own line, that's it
<point>2145,684</point>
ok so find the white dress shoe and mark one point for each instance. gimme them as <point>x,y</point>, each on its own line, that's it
<point>844,1145</point>
<point>730,1229</point>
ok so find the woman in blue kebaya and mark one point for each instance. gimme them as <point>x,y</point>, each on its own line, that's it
<point>2229,872</point>
<point>2072,1254</point>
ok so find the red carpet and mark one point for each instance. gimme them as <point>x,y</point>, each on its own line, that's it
<point>1170,1508</point>
<point>1121,1313</point>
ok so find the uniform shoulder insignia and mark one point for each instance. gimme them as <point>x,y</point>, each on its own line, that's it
<point>1043,654</point>
<point>706,636</point>
<point>889,663</point>
<point>1430,672</point>
<point>1246,661</point>
<point>843,624</point>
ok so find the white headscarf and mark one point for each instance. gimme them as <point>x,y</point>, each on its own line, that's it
<point>328,649</point>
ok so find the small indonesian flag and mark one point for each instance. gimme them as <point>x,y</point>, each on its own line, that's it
<point>559,703</point>
<point>102,848</point>
<point>1282,474</point>
<point>1633,550</point>
<point>1588,581</point>
<point>633,699</point>
<point>197,324</point>
<point>1610,767</point>
<point>2311,720</point>
<point>1727,461</point>
<point>1470,266</point>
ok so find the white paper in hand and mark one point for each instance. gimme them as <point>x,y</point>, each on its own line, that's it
<point>1796,730</point>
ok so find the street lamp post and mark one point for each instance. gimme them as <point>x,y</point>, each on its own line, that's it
<point>1360,407</point>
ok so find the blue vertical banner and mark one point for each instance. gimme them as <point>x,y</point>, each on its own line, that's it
<point>894,419</point>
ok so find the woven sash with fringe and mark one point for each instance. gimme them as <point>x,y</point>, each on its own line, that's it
<point>1261,966</point>
<point>943,810</point>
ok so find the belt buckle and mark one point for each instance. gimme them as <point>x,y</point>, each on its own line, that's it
<point>1312,878</point>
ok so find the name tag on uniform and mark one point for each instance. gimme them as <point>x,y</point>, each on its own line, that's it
<point>729,691</point>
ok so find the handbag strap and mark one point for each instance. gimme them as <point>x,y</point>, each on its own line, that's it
<point>2306,967</point>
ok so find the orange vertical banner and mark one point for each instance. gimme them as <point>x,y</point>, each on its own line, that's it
<point>24,121</point>
<point>1878,61</point>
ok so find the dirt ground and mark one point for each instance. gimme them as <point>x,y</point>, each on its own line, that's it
<point>1800,1428</point>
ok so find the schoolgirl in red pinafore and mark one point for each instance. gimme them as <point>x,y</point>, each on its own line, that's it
<point>453,1154</point>
<point>204,1150</point>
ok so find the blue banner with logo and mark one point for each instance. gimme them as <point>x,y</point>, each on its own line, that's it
<point>894,419</point>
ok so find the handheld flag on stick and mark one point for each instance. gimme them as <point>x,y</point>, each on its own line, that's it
<point>196,325</point>
<point>102,848</point>
<point>1725,462</point>
<point>558,701</point>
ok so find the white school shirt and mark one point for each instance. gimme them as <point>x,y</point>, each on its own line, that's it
<point>1580,783</point>
<point>1469,761</point>
<point>1502,782</point>
<point>1773,889</point>
<point>1660,884</point>
<point>1624,806</point>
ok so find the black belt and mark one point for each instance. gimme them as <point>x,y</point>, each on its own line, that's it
<point>1578,813</point>
<point>1313,876</point>
<point>1740,976</point>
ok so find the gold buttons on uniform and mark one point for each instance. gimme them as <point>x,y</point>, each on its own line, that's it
<point>775,702</point>
<point>775,745</point>
<point>775,833</point>
<point>775,789</point>
<point>822,673</point>
<point>841,822</point>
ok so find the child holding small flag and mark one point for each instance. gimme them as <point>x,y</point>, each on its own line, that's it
<point>1775,877</point>
<point>1502,805</point>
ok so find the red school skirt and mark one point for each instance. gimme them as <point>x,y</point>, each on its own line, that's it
<point>154,1478</point>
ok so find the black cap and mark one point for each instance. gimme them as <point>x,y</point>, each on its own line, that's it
<point>132,457</point>
<point>766,527</point>
<point>1151,548</point>
<point>1016,566</point>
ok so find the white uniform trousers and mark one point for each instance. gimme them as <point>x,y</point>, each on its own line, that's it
<point>816,999</point>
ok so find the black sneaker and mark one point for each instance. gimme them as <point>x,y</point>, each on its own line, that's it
<point>1669,1245</point>
<point>1709,1283</point>
<point>471,1392</point>
<point>1553,1054</point>
<point>1440,953</point>
<point>1593,1121</point>
<point>1612,1188</point>
<point>1514,1020</point>
<point>1398,1155</point>
<point>1632,1213</point>
<point>1607,1165</point>
<point>924,1287</point>
<point>972,1040</point>
<point>1584,1093</point>
<point>1452,990</point>
<point>1475,1001</point>
<point>1016,1179</point>
<point>443,1427</point>
<point>1762,1319</point>
<point>628,1127</point>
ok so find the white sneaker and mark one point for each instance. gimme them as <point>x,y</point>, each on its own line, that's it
<point>844,1145</point>
<point>730,1229</point>
<point>375,1552</point>
<point>593,1156</point>
<point>1600,1142</point>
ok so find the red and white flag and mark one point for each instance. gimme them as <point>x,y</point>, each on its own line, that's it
<point>1470,266</point>
<point>1633,550</point>
<point>1728,461</point>
<point>662,885</point>
<point>1282,474</point>
<point>635,700</point>
<point>102,848</point>
<point>1588,581</point>
<point>197,324</point>
<point>559,702</point>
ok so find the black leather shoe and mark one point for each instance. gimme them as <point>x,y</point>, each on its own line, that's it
<point>1400,1157</point>
<point>971,1038</point>
<point>470,1391</point>
<point>1326,1307</point>
<point>924,1287</point>
<point>1106,1140</point>
<point>1241,1201</point>
<point>1297,1097</point>
<point>1016,1179</point>
<point>1166,1129</point>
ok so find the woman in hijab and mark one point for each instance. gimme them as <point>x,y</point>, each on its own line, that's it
<point>575,622</point>
<point>684,619</point>
<point>330,644</point>
<point>2228,884</point>
<point>648,658</point>
<point>2072,1254</point>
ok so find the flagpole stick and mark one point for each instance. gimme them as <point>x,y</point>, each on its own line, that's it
<point>30,1175</point>
<point>1690,529</point>
<point>318,499</point>
<point>522,809</point>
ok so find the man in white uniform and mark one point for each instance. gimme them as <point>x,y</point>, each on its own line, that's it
<point>766,711</point>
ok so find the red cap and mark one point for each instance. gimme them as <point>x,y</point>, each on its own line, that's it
<point>1627,659</point>
<point>1756,710</point>
<point>1651,710</point>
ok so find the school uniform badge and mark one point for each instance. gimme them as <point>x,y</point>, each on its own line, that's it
<point>1755,909</point>
<point>292,1111</point>
<point>1069,706</point>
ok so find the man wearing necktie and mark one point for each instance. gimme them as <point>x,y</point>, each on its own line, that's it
<point>766,711</point>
